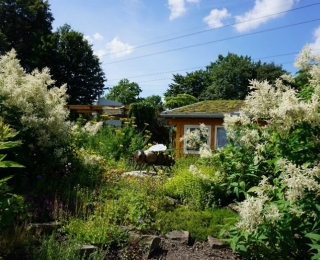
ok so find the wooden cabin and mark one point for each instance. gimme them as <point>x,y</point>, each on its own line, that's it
<point>112,109</point>
<point>210,113</point>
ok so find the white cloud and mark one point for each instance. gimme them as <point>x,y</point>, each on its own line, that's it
<point>316,44</point>
<point>97,36</point>
<point>214,19</point>
<point>177,7</point>
<point>100,53</point>
<point>88,38</point>
<point>262,8</point>
<point>117,48</point>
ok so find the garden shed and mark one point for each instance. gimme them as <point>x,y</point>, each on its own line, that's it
<point>210,113</point>
<point>115,110</point>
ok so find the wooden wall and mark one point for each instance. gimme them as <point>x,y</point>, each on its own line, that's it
<point>181,122</point>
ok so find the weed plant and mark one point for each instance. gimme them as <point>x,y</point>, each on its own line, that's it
<point>52,248</point>
<point>200,224</point>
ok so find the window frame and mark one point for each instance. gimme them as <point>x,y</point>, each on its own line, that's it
<point>193,127</point>
<point>216,136</point>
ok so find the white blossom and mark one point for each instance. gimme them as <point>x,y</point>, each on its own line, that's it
<point>39,106</point>
<point>205,151</point>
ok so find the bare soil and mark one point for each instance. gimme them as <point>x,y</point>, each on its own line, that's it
<point>170,250</point>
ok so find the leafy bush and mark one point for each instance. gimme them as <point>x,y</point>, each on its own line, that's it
<point>113,143</point>
<point>200,224</point>
<point>38,114</point>
<point>197,186</point>
<point>273,161</point>
<point>11,205</point>
<point>52,248</point>
<point>139,201</point>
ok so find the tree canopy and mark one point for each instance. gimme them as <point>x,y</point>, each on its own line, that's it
<point>226,78</point>
<point>23,24</point>
<point>125,92</point>
<point>26,26</point>
<point>179,101</point>
<point>193,84</point>
<point>71,60</point>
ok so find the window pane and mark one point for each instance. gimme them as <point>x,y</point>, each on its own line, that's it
<point>222,139</point>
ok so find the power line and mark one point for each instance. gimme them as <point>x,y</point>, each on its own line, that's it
<point>220,40</point>
<point>195,33</point>
<point>198,27</point>
<point>171,71</point>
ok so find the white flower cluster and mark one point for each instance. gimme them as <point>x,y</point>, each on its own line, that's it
<point>205,151</point>
<point>255,210</point>
<point>92,128</point>
<point>282,110</point>
<point>299,179</point>
<point>90,159</point>
<point>195,138</point>
<point>196,172</point>
<point>38,109</point>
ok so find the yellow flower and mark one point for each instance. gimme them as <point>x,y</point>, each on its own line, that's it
<point>121,145</point>
<point>146,124</point>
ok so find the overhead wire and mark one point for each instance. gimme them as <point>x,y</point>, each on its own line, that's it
<point>208,30</point>
<point>171,71</point>
<point>165,72</point>
<point>219,40</point>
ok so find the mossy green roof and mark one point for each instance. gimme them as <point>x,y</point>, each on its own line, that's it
<point>208,108</point>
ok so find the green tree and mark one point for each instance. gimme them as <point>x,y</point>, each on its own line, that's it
<point>193,84</point>
<point>71,61</point>
<point>228,77</point>
<point>156,101</point>
<point>23,24</point>
<point>179,101</point>
<point>125,92</point>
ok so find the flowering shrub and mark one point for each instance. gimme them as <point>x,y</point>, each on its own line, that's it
<point>110,142</point>
<point>273,162</point>
<point>38,113</point>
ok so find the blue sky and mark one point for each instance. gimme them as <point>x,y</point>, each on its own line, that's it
<point>147,41</point>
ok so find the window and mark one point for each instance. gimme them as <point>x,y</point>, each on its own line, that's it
<point>221,137</point>
<point>194,136</point>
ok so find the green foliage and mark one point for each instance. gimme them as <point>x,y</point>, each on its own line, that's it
<point>199,189</point>
<point>193,84</point>
<point>156,101</point>
<point>180,100</point>
<point>69,249</point>
<point>140,200</point>
<point>14,236</point>
<point>287,237</point>
<point>189,189</point>
<point>272,167</point>
<point>24,23</point>
<point>125,92</point>
<point>226,78</point>
<point>200,224</point>
<point>96,230</point>
<point>71,61</point>
<point>114,143</point>
<point>144,114</point>
<point>11,205</point>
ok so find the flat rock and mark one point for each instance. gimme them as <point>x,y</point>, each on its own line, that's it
<point>180,236</point>
<point>215,243</point>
